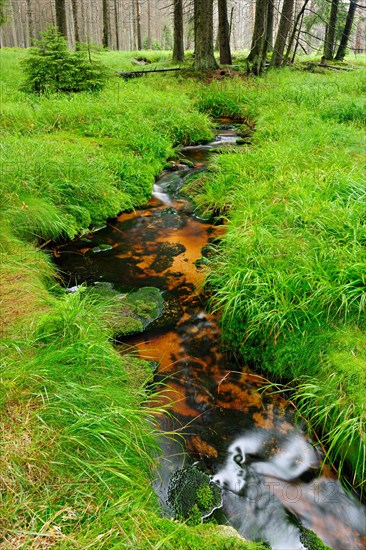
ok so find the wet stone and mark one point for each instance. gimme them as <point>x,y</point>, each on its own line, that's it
<point>170,315</point>
<point>100,248</point>
<point>192,496</point>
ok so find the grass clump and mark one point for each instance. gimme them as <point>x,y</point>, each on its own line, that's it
<point>289,275</point>
<point>78,444</point>
<point>86,157</point>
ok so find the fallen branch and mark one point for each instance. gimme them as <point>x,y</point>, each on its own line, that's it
<point>136,74</point>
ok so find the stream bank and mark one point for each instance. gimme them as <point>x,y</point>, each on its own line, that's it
<point>247,440</point>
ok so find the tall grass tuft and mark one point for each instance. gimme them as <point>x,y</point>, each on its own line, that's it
<point>289,276</point>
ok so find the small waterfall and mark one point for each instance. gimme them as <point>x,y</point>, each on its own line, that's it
<point>159,194</point>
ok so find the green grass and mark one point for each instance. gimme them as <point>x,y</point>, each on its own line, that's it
<point>84,156</point>
<point>289,276</point>
<point>78,442</point>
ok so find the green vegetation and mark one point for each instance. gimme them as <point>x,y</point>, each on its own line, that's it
<point>289,277</point>
<point>311,541</point>
<point>77,445</point>
<point>71,161</point>
<point>192,496</point>
<point>51,67</point>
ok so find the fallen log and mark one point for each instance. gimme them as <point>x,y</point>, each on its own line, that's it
<point>335,67</point>
<point>135,74</point>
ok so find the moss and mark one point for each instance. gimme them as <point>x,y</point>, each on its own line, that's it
<point>192,496</point>
<point>311,541</point>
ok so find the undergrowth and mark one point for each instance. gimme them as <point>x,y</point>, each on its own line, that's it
<point>71,161</point>
<point>289,276</point>
<point>77,438</point>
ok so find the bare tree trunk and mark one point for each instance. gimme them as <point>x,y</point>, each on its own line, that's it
<point>30,21</point>
<point>258,51</point>
<point>283,30</point>
<point>224,34</point>
<point>178,47</point>
<point>106,40</point>
<point>116,23</point>
<point>269,30</point>
<point>258,30</point>
<point>149,41</point>
<point>346,32</point>
<point>138,25</point>
<point>296,28</point>
<point>297,43</point>
<point>61,18</point>
<point>203,21</point>
<point>331,31</point>
<point>76,21</point>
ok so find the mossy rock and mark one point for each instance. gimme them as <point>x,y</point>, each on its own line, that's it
<point>192,495</point>
<point>311,541</point>
<point>100,248</point>
<point>130,313</point>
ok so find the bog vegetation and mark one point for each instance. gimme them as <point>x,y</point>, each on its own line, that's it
<point>288,279</point>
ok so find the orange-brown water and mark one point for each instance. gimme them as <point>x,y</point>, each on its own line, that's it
<point>215,403</point>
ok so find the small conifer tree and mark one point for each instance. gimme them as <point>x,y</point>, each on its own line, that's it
<point>51,67</point>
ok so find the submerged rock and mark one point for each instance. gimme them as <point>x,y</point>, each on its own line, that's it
<point>130,313</point>
<point>100,248</point>
<point>170,315</point>
<point>192,496</point>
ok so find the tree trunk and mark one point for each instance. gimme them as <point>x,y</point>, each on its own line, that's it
<point>138,25</point>
<point>76,22</point>
<point>178,47</point>
<point>259,31</point>
<point>258,51</point>
<point>149,41</point>
<point>30,21</point>
<point>296,28</point>
<point>269,29</point>
<point>283,30</point>
<point>61,20</point>
<point>106,40</point>
<point>116,23</point>
<point>331,31</point>
<point>224,34</point>
<point>346,32</point>
<point>203,20</point>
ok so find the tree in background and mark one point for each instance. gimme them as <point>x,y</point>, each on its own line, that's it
<point>269,30</point>
<point>61,17</point>
<point>346,32</point>
<point>330,35</point>
<point>76,21</point>
<point>282,33</point>
<point>258,50</point>
<point>295,33</point>
<point>106,25</point>
<point>204,59</point>
<point>2,12</point>
<point>224,34</point>
<point>178,46</point>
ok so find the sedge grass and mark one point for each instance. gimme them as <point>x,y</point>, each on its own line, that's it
<point>288,277</point>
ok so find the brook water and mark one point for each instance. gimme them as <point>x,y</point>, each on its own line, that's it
<point>246,439</point>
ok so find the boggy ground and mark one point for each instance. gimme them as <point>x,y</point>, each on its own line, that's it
<point>288,277</point>
<point>76,443</point>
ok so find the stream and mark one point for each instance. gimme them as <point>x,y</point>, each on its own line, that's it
<point>270,472</point>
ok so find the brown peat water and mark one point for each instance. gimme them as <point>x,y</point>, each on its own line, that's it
<point>271,473</point>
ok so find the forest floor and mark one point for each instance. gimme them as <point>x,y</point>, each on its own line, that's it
<point>77,444</point>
